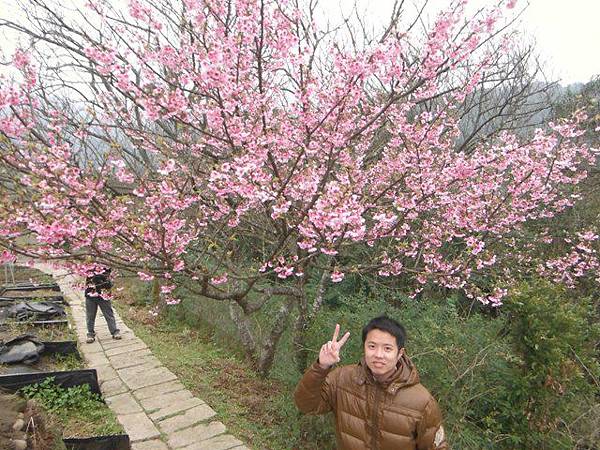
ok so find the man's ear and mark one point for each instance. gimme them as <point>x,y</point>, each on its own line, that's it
<point>400,353</point>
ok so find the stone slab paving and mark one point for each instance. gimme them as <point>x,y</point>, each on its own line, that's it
<point>164,388</point>
<point>175,408</point>
<point>113,387</point>
<point>165,400</point>
<point>189,436</point>
<point>154,444</point>
<point>155,409</point>
<point>187,418</point>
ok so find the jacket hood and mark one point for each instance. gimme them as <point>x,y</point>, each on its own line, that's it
<point>405,375</point>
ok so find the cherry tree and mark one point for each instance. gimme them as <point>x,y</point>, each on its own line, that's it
<point>240,151</point>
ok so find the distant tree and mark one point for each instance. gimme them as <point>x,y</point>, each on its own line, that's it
<point>574,234</point>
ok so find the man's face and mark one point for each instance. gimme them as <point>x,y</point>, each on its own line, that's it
<point>381,352</point>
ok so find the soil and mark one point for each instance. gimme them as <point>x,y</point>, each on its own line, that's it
<point>24,274</point>
<point>39,294</point>
<point>38,436</point>
<point>10,408</point>
<point>57,332</point>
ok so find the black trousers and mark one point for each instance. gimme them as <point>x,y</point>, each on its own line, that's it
<point>91,308</point>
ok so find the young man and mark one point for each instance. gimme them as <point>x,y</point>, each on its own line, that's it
<point>379,402</point>
<point>96,289</point>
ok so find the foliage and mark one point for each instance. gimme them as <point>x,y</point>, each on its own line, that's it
<point>56,398</point>
<point>491,375</point>
<point>475,365</point>
<point>587,99</point>
<point>79,411</point>
<point>573,235</point>
<point>554,335</point>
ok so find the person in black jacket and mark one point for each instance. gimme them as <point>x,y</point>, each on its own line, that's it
<point>97,286</point>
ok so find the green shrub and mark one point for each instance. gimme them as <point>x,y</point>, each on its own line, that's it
<point>557,376</point>
<point>486,373</point>
<point>522,378</point>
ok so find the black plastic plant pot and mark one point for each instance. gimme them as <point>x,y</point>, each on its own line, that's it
<point>68,378</point>
<point>113,442</point>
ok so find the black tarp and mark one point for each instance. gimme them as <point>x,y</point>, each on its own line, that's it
<point>66,379</point>
<point>50,348</point>
<point>35,311</point>
<point>24,349</point>
<point>115,442</point>
<point>42,348</point>
<point>60,347</point>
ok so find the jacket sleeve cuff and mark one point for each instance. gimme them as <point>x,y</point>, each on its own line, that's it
<point>316,367</point>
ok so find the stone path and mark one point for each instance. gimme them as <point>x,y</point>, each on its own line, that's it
<point>155,409</point>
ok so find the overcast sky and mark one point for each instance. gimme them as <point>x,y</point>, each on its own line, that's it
<point>567,32</point>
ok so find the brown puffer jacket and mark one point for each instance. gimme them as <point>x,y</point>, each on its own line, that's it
<point>398,415</point>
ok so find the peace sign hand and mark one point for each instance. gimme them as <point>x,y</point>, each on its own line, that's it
<point>330,351</point>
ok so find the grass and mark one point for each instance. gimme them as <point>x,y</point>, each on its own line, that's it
<point>67,362</point>
<point>55,332</point>
<point>211,365</point>
<point>214,375</point>
<point>100,421</point>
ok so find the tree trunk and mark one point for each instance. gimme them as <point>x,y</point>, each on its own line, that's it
<point>299,339</point>
<point>269,346</point>
<point>244,330</point>
<point>155,293</point>
<point>303,322</point>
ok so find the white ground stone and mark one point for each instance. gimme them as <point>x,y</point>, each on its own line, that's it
<point>188,418</point>
<point>196,433</point>
<point>123,404</point>
<point>138,426</point>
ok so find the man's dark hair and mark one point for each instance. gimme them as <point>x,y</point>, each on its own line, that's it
<point>388,325</point>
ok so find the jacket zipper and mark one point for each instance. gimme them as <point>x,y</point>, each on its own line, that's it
<point>375,419</point>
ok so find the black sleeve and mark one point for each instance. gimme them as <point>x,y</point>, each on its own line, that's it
<point>102,281</point>
<point>99,282</point>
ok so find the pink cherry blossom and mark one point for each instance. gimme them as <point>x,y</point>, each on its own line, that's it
<point>235,154</point>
